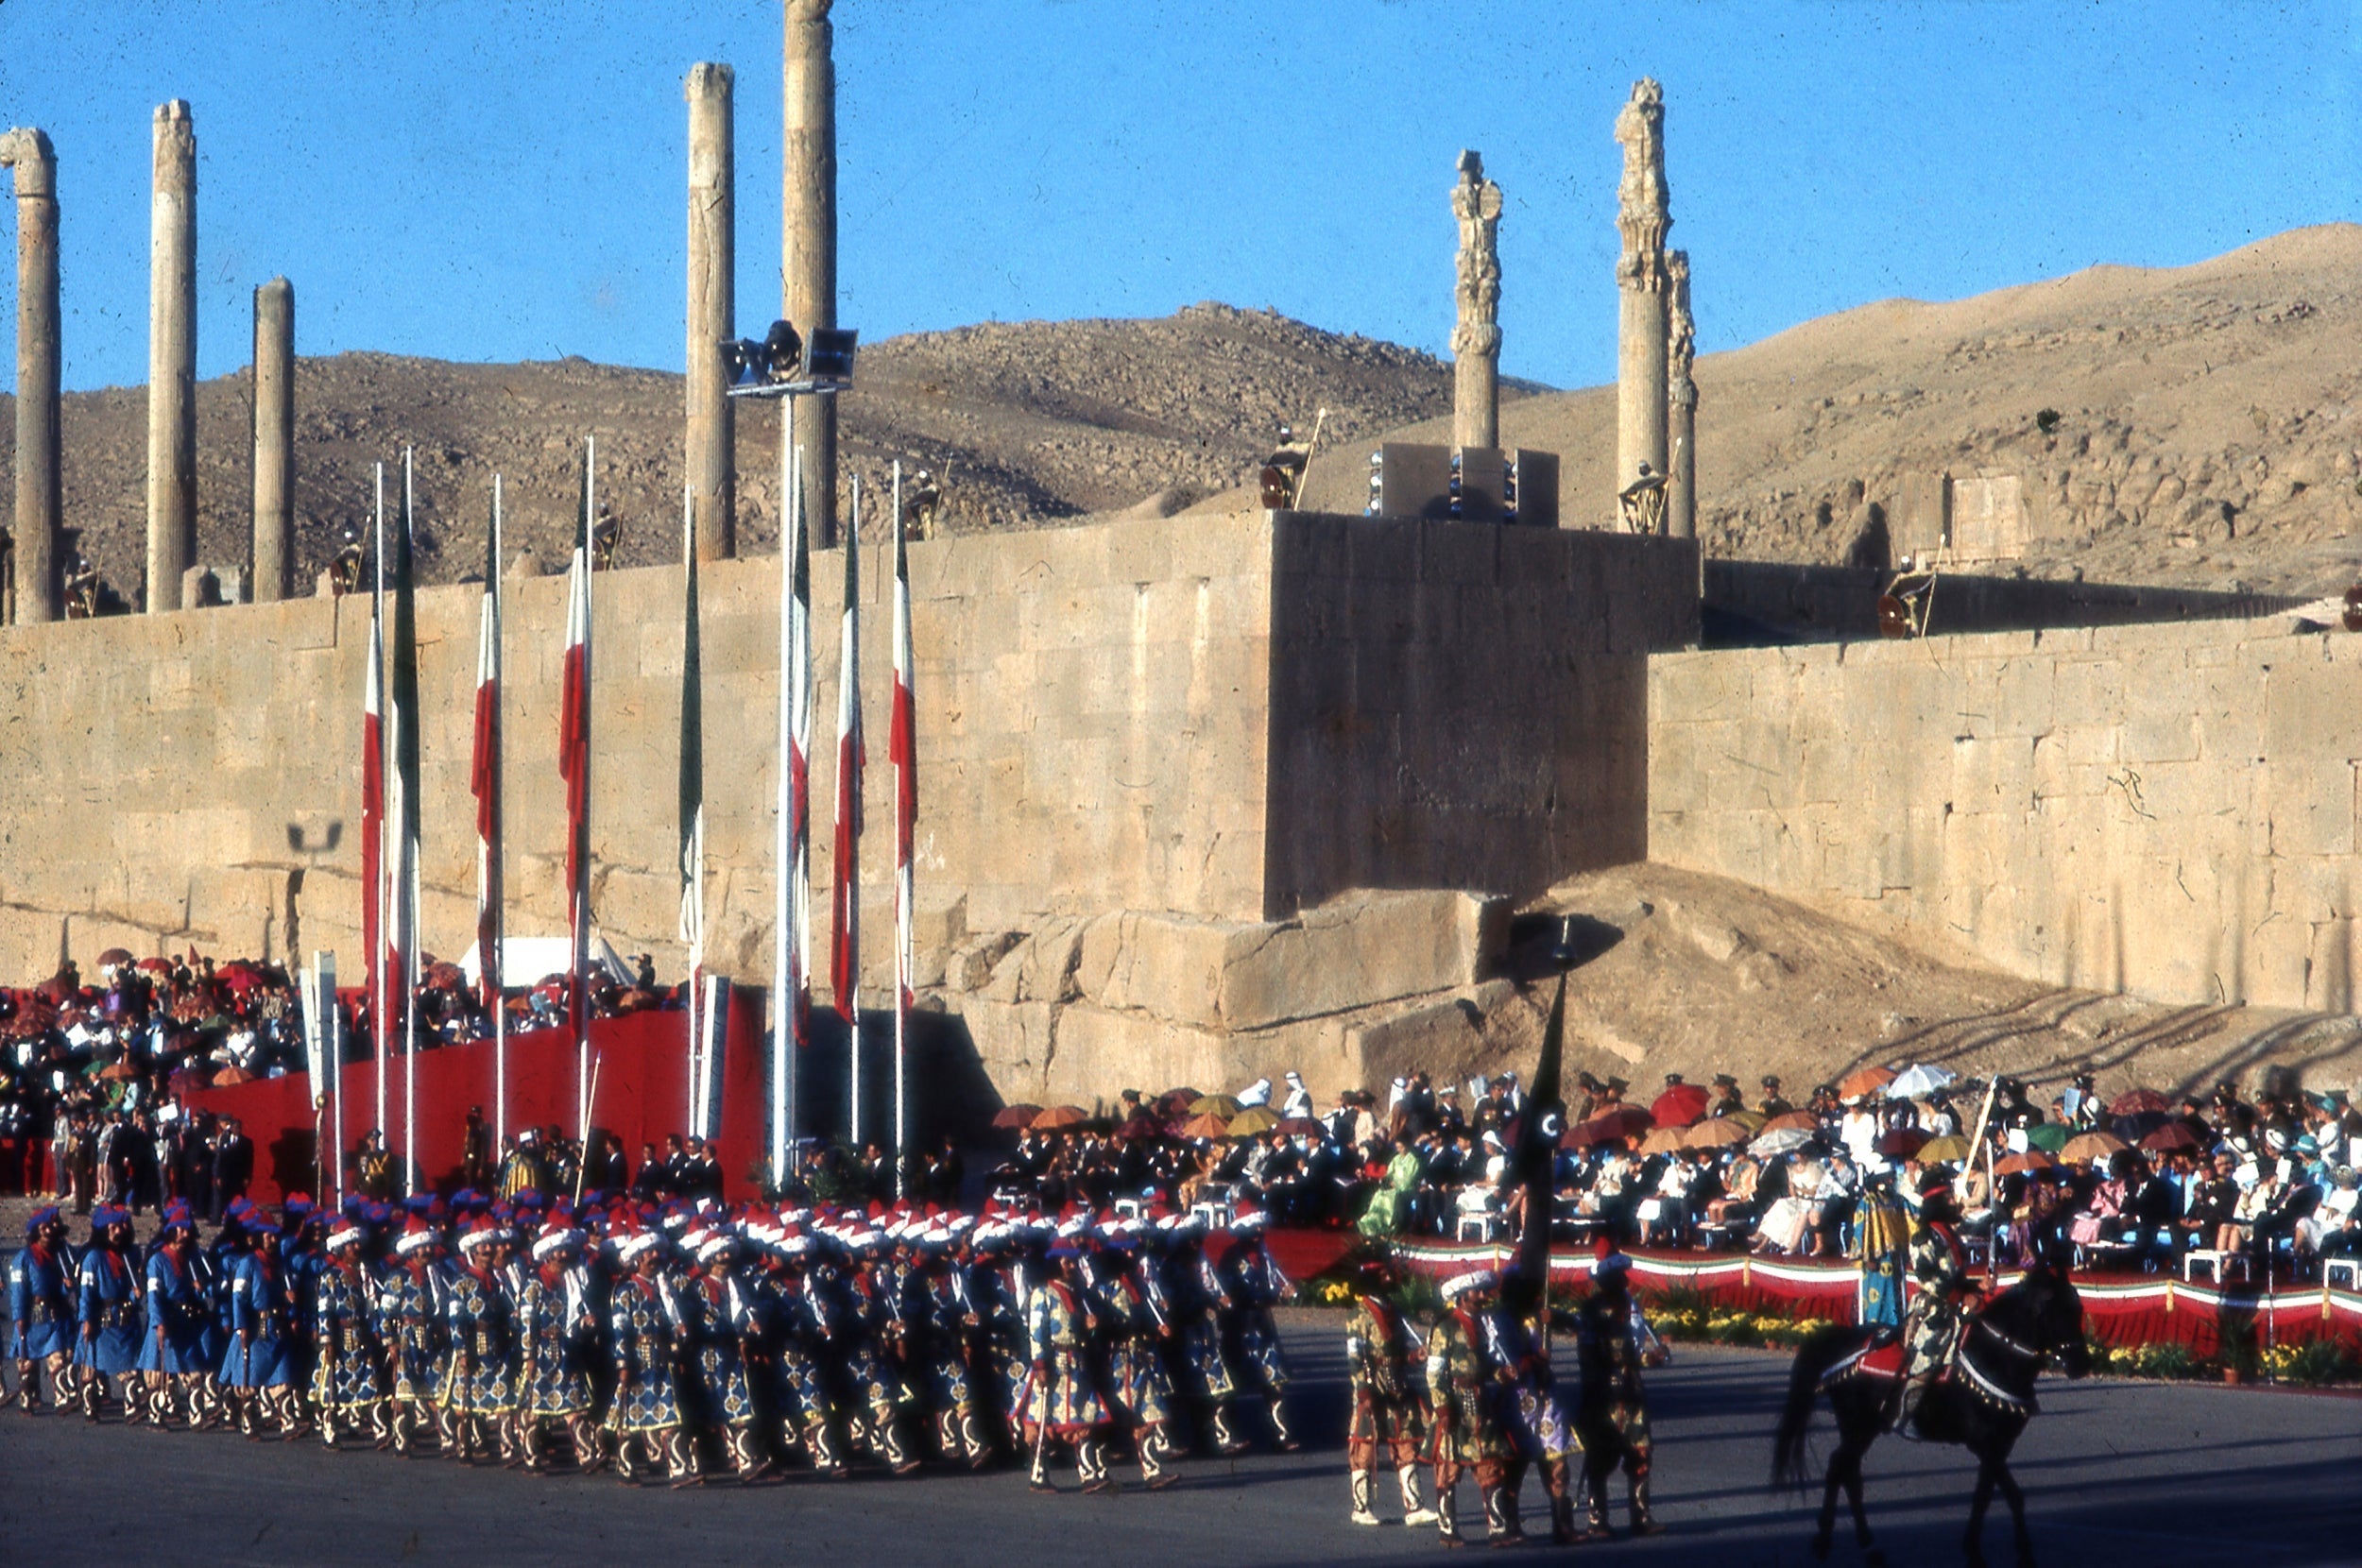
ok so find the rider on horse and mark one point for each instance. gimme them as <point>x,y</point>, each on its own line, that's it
<point>1946,1296</point>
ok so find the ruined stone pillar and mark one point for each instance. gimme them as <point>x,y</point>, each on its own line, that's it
<point>808,238</point>
<point>712,440</point>
<point>1476,339</point>
<point>39,490</point>
<point>274,441</point>
<point>1681,481</point>
<point>172,359</point>
<point>1641,219</point>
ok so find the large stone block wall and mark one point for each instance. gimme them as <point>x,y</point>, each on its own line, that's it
<point>1092,725</point>
<point>1108,721</point>
<point>1462,706</point>
<point>2166,810</point>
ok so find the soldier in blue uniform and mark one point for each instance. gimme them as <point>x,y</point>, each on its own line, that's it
<point>643,1325</point>
<point>554,1324</point>
<point>873,1335</point>
<point>1133,1308</point>
<point>348,1386</point>
<point>40,1311</point>
<point>110,1317</point>
<point>1063,1399</point>
<point>1615,1342</point>
<point>1195,1288</point>
<point>936,1304</point>
<point>1251,1283</point>
<point>172,1353</point>
<point>477,1396</point>
<point>410,1326</point>
<point>259,1370</point>
<point>720,1317</point>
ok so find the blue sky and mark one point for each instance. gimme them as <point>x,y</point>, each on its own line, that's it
<point>501,180</point>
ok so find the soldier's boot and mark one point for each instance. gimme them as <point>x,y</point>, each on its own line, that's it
<point>382,1425</point>
<point>590,1458</point>
<point>1090,1463</point>
<point>533,1440</point>
<point>1288,1442</point>
<point>1501,1527</point>
<point>160,1402</point>
<point>826,1458</point>
<point>1172,1442</point>
<point>27,1393</point>
<point>947,1441</point>
<point>1037,1476</point>
<point>888,1440</point>
<point>1154,1476</point>
<point>1414,1510</point>
<point>205,1402</point>
<point>979,1451</point>
<point>1226,1441</point>
<point>405,1430</point>
<point>626,1457</point>
<point>1561,1518</point>
<point>328,1427</point>
<point>1643,1521</point>
<point>1595,1526</point>
<point>87,1397</point>
<point>744,1453</point>
<point>1447,1506</point>
<point>242,1408</point>
<point>1362,1514</point>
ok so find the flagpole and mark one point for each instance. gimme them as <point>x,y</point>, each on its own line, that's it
<point>846,970</point>
<point>380,902</point>
<point>406,752</point>
<point>492,919</point>
<point>579,829</point>
<point>692,826</point>
<point>783,1021</point>
<point>904,764</point>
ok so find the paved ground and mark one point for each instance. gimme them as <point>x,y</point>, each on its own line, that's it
<point>2116,1473</point>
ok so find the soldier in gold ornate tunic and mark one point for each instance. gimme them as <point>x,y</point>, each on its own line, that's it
<point>1383,1359</point>
<point>1469,1435</point>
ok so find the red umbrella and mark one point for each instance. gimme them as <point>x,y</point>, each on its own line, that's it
<point>2173,1135</point>
<point>1207,1126</point>
<point>2032,1160</point>
<point>1901,1143</point>
<point>2133,1102</point>
<point>232,1075</point>
<point>114,956</point>
<point>1801,1121</point>
<point>1610,1126</point>
<point>1680,1105</point>
<point>1015,1116</point>
<point>1142,1127</point>
<point>156,965</point>
<point>1301,1127</point>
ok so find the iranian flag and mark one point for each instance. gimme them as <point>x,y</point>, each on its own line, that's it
<point>790,1003</point>
<point>692,816</point>
<point>902,750</point>
<point>574,765</point>
<point>484,781</point>
<point>403,812</point>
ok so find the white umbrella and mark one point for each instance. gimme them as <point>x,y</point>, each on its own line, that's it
<point>1780,1140</point>
<point>1919,1081</point>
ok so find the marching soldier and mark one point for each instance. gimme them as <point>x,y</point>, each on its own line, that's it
<point>476,1396</point>
<point>1382,1354</point>
<point>410,1325</point>
<point>259,1368</point>
<point>938,1308</point>
<point>1063,1399</point>
<point>1251,1283</point>
<point>1195,1288</point>
<point>1469,1437</point>
<point>40,1311</point>
<point>1615,1342</point>
<point>347,1386</point>
<point>172,1353</point>
<point>719,1318</point>
<point>1138,1325</point>
<point>643,1325</point>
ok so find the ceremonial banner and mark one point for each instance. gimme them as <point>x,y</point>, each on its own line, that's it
<point>374,805</point>
<point>791,942</point>
<point>574,765</point>
<point>484,781</point>
<point>691,801</point>
<point>902,750</point>
<point>404,810</point>
<point>845,896</point>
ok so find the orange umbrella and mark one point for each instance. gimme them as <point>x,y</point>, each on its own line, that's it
<point>2092,1146</point>
<point>1801,1121</point>
<point>1664,1140</point>
<point>2018,1164</point>
<point>1060,1116</point>
<point>1870,1081</point>
<point>232,1075</point>
<point>1719,1134</point>
<point>1209,1125</point>
<point>116,1072</point>
<point>1015,1116</point>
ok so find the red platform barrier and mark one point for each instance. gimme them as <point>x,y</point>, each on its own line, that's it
<point>642,1097</point>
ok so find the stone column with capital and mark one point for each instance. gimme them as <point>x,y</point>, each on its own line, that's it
<point>40,510</point>
<point>1642,283</point>
<point>713,439</point>
<point>274,441</point>
<point>172,359</point>
<point>1681,480</point>
<point>808,240</point>
<point>1476,337</point>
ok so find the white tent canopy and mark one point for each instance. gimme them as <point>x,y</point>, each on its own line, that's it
<point>530,960</point>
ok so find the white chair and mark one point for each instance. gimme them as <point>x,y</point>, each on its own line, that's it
<point>2218,1265</point>
<point>1216,1216</point>
<point>2351,1267</point>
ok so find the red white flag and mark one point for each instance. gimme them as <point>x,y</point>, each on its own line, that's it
<point>483,781</point>
<point>903,749</point>
<point>791,1006</point>
<point>845,965</point>
<point>574,765</point>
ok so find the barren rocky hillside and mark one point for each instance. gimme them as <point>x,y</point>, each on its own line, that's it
<point>1031,421</point>
<point>2206,427</point>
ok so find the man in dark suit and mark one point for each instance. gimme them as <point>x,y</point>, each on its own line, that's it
<point>234,1167</point>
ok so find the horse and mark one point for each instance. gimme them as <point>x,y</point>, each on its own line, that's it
<point>1982,1404</point>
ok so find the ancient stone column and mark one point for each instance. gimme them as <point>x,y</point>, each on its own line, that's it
<point>1641,219</point>
<point>172,359</point>
<point>1681,481</point>
<point>807,239</point>
<point>1476,339</point>
<point>38,508</point>
<point>274,441</point>
<point>712,443</point>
